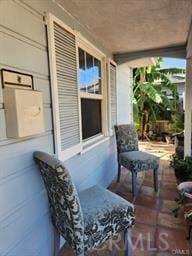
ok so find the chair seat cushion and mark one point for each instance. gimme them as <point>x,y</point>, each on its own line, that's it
<point>138,161</point>
<point>105,214</point>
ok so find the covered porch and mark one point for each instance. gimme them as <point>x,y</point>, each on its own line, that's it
<point>135,30</point>
<point>156,232</point>
<point>116,36</point>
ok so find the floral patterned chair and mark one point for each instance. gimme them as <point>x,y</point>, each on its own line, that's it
<point>131,158</point>
<point>89,218</point>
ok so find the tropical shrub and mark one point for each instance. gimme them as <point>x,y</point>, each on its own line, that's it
<point>150,103</point>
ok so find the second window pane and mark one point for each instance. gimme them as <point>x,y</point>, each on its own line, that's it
<point>91,117</point>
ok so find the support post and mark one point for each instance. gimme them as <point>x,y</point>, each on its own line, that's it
<point>188,96</point>
<point>188,107</point>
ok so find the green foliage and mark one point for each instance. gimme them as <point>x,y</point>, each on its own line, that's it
<point>150,103</point>
<point>180,201</point>
<point>183,172</point>
<point>183,167</point>
<point>177,125</point>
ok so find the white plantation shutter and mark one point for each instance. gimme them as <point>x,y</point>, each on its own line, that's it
<point>113,96</point>
<point>65,91</point>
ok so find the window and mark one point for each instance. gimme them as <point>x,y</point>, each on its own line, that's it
<point>78,84</point>
<point>89,73</point>
<point>91,117</point>
<point>90,83</point>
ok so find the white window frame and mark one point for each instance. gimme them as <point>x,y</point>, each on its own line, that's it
<point>92,50</point>
<point>81,42</point>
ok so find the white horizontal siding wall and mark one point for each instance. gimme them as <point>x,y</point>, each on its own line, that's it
<point>97,166</point>
<point>124,95</point>
<point>25,225</point>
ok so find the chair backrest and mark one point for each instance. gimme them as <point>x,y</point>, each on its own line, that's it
<point>63,198</point>
<point>126,138</point>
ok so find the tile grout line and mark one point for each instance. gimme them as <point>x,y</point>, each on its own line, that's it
<point>158,209</point>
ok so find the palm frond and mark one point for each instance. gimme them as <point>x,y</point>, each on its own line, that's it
<point>150,101</point>
<point>150,91</point>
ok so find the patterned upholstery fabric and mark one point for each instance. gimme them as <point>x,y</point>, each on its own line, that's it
<point>129,155</point>
<point>85,220</point>
<point>64,202</point>
<point>138,161</point>
<point>126,137</point>
<point>105,215</point>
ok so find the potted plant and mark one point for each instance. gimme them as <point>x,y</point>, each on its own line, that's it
<point>182,167</point>
<point>185,199</point>
<point>187,217</point>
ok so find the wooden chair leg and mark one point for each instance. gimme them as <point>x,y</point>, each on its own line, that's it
<point>119,172</point>
<point>128,242</point>
<point>134,183</point>
<point>155,179</point>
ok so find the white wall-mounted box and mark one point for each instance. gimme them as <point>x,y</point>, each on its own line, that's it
<point>23,112</point>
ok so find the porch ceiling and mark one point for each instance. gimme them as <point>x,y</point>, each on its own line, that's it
<point>126,26</point>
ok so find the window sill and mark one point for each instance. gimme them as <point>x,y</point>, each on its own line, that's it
<point>93,144</point>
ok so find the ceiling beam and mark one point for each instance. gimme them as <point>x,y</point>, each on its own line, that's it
<point>178,51</point>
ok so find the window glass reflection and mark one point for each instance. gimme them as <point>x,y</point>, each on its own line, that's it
<point>90,73</point>
<point>82,80</point>
<point>97,68</point>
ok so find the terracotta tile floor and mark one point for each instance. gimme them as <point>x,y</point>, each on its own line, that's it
<point>156,232</point>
